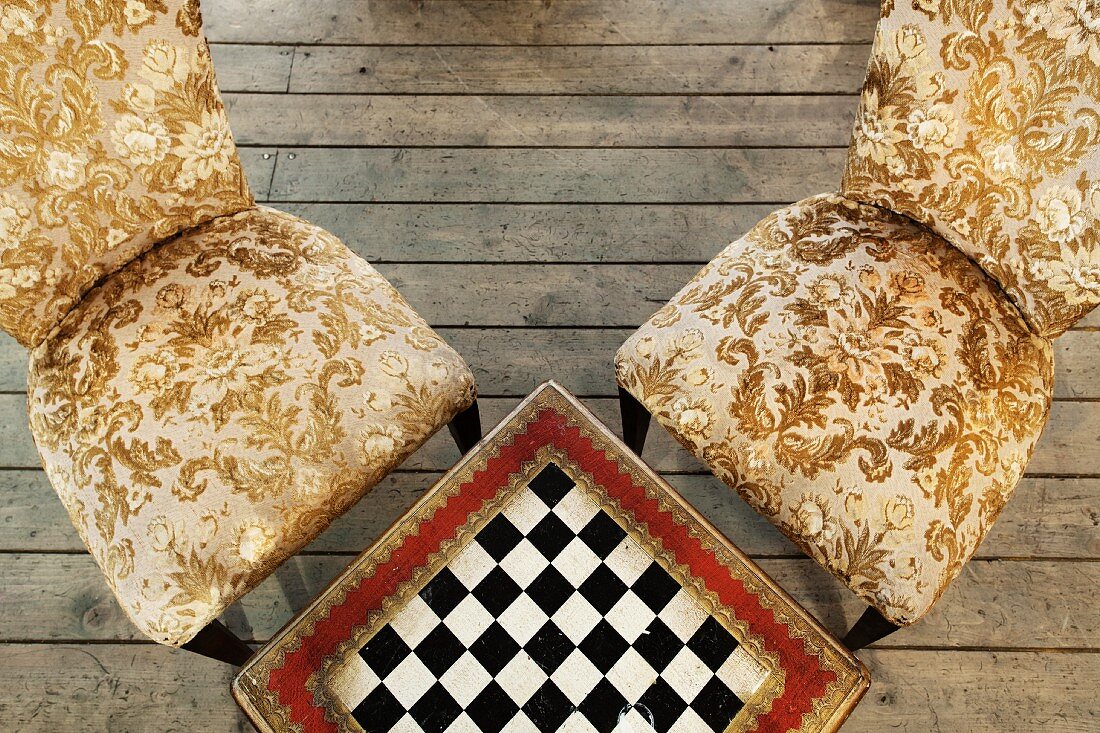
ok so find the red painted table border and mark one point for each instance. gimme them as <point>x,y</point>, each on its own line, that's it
<point>805,679</point>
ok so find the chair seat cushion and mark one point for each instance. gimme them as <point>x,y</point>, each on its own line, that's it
<point>210,408</point>
<point>859,382</point>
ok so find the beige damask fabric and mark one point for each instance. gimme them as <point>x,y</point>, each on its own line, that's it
<point>204,405</point>
<point>113,138</point>
<point>211,407</point>
<point>858,381</point>
<point>981,119</point>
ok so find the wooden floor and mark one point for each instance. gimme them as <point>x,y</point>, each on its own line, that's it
<point>537,177</point>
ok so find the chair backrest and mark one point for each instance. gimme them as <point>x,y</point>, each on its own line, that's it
<point>981,120</point>
<point>112,138</point>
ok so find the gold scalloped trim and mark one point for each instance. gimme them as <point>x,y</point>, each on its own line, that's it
<point>827,714</point>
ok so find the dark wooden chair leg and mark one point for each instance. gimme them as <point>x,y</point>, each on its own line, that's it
<point>218,642</point>
<point>466,428</point>
<point>871,627</point>
<point>635,421</point>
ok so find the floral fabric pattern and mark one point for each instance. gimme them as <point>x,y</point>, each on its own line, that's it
<point>981,119</point>
<point>858,381</point>
<point>113,138</point>
<point>211,407</point>
<point>204,404</point>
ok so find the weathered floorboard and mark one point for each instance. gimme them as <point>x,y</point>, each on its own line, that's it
<point>679,69</point>
<point>541,121</point>
<point>539,175</point>
<point>253,68</point>
<point>259,166</point>
<point>537,22</point>
<point>534,232</point>
<point>138,687</point>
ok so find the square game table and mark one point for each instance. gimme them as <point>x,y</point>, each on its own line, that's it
<point>552,581</point>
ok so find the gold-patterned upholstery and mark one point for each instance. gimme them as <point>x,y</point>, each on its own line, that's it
<point>859,382</point>
<point>981,119</point>
<point>215,404</point>
<point>871,370</point>
<point>114,138</point>
<point>211,382</point>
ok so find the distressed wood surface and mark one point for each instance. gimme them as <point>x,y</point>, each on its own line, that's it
<point>533,233</point>
<point>536,175</point>
<point>259,167</point>
<point>542,121</point>
<point>252,68</point>
<point>137,687</point>
<point>572,163</point>
<point>538,22</point>
<point>492,70</point>
<point>643,70</point>
<point>541,70</point>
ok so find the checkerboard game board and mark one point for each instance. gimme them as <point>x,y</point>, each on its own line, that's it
<point>551,582</point>
<point>552,612</point>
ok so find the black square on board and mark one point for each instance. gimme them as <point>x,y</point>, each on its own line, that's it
<point>551,485</point>
<point>439,650</point>
<point>604,646</point>
<point>550,536</point>
<point>655,587</point>
<point>716,704</point>
<point>550,590</point>
<point>712,643</point>
<point>443,592</point>
<point>663,704</point>
<point>379,712</point>
<point>436,710</point>
<point>602,534</point>
<point>497,591</point>
<point>384,651</point>
<point>494,648</point>
<point>548,708</point>
<point>492,709</point>
<point>549,647</point>
<point>602,589</point>
<point>603,706</point>
<point>658,645</point>
<point>499,537</point>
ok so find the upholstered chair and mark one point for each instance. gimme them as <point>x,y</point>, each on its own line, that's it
<point>871,369</point>
<point>211,382</point>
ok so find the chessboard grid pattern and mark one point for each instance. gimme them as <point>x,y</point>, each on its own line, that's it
<point>551,618</point>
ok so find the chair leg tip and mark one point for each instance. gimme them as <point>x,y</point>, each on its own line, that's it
<point>465,428</point>
<point>872,626</point>
<point>635,419</point>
